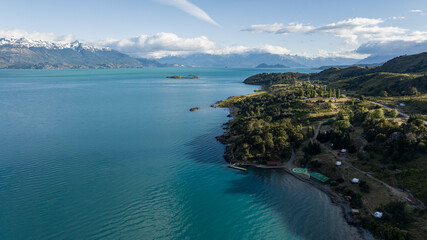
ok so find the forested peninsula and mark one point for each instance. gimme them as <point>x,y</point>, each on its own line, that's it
<point>363,128</point>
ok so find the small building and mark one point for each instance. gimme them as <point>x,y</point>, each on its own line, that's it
<point>355,211</point>
<point>355,180</point>
<point>318,177</point>
<point>402,104</point>
<point>338,163</point>
<point>343,150</point>
<point>378,214</point>
<point>274,163</point>
<point>411,200</point>
<point>347,197</point>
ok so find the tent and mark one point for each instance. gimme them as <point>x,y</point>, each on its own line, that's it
<point>378,214</point>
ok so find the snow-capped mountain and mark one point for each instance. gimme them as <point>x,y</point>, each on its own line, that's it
<point>28,43</point>
<point>26,53</point>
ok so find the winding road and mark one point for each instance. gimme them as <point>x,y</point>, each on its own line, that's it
<point>389,108</point>
<point>290,164</point>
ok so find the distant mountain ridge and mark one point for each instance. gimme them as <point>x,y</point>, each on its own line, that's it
<point>251,60</point>
<point>21,53</point>
<point>263,65</point>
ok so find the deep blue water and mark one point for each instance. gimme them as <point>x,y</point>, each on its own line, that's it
<point>115,154</point>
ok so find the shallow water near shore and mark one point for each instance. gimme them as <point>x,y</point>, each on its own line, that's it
<point>116,154</point>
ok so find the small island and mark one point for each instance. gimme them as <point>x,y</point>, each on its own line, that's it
<point>194,109</point>
<point>191,76</point>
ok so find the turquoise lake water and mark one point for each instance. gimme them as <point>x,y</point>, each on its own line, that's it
<point>116,154</point>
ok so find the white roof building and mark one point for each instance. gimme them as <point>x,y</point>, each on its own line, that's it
<point>378,214</point>
<point>355,180</point>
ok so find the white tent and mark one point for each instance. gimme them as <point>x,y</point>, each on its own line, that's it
<point>343,150</point>
<point>355,180</point>
<point>338,163</point>
<point>378,214</point>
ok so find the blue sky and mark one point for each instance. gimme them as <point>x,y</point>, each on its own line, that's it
<point>155,28</point>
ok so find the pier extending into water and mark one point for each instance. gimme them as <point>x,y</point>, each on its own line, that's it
<point>238,168</point>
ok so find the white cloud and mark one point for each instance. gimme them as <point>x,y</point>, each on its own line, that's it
<point>416,11</point>
<point>414,42</point>
<point>266,48</point>
<point>392,48</point>
<point>189,8</point>
<point>279,28</point>
<point>159,45</point>
<point>396,18</point>
<point>351,30</point>
<point>170,44</point>
<point>36,36</point>
<point>342,53</point>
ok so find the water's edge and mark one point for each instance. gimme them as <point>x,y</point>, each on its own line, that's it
<point>345,210</point>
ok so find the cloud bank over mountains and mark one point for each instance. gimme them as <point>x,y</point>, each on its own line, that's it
<point>351,30</point>
<point>379,40</point>
<point>376,40</point>
<point>170,44</point>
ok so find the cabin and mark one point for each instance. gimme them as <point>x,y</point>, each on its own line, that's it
<point>318,177</point>
<point>355,180</point>
<point>274,163</point>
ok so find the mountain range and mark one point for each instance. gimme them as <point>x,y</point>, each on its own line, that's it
<point>28,54</point>
<point>251,60</point>
<point>22,53</point>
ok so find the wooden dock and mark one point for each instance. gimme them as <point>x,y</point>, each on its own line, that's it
<point>238,168</point>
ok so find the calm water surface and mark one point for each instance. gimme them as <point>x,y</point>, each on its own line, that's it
<point>115,154</point>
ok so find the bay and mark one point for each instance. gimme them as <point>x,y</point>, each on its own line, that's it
<point>116,154</point>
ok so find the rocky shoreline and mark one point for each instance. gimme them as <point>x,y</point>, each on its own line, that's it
<point>335,199</point>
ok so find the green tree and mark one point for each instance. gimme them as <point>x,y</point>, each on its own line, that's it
<point>379,114</point>
<point>384,94</point>
<point>413,91</point>
<point>268,140</point>
<point>394,113</point>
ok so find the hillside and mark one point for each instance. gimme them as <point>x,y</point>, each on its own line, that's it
<point>382,83</point>
<point>400,76</point>
<point>416,63</point>
<point>275,78</point>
